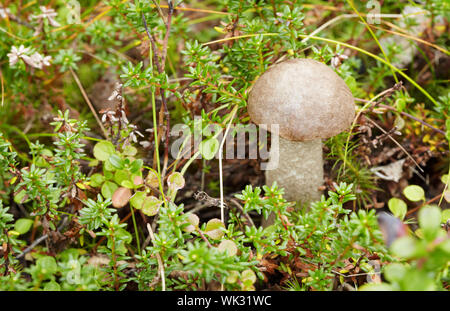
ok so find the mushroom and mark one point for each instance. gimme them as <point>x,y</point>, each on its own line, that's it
<point>308,101</point>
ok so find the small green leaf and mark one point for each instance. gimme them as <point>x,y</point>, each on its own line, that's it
<point>47,265</point>
<point>23,225</point>
<point>214,229</point>
<point>151,205</point>
<point>208,148</point>
<point>137,199</point>
<point>414,193</point>
<point>21,197</point>
<point>248,276</point>
<point>152,179</point>
<point>52,286</point>
<point>229,247</point>
<point>193,221</point>
<point>116,161</point>
<point>97,179</point>
<point>398,207</point>
<point>136,166</point>
<point>121,175</point>
<point>394,272</point>
<point>430,218</point>
<point>127,184</point>
<point>103,150</point>
<point>404,247</point>
<point>232,277</point>
<point>129,151</point>
<point>175,181</point>
<point>108,189</point>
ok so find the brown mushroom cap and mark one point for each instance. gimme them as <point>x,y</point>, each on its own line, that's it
<point>305,97</point>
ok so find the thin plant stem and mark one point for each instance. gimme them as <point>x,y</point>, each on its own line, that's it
<point>136,231</point>
<point>86,98</point>
<point>158,257</point>
<point>233,113</point>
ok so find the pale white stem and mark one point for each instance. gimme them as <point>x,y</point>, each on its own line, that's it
<point>158,257</point>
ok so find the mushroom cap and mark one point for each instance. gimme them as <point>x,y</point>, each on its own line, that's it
<point>305,97</point>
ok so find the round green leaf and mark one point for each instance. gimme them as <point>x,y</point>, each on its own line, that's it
<point>52,286</point>
<point>103,149</point>
<point>193,222</point>
<point>208,148</point>
<point>108,189</point>
<point>175,181</point>
<point>23,225</point>
<point>129,151</point>
<point>97,179</point>
<point>229,247</point>
<point>248,276</point>
<point>398,207</point>
<point>394,272</point>
<point>430,218</point>
<point>121,175</point>
<point>137,199</point>
<point>152,179</point>
<point>414,193</point>
<point>232,277</point>
<point>404,247</point>
<point>151,205</point>
<point>116,161</point>
<point>214,229</point>
<point>47,265</point>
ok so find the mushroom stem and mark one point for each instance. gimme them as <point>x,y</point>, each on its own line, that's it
<point>299,171</point>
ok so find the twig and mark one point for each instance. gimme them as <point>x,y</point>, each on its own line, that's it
<point>204,238</point>
<point>413,118</point>
<point>160,12</point>
<point>40,239</point>
<point>86,98</point>
<point>158,257</point>
<point>404,114</point>
<point>385,94</point>
<point>396,142</point>
<point>164,108</point>
<point>424,204</point>
<point>166,36</point>
<point>247,216</point>
<point>33,245</point>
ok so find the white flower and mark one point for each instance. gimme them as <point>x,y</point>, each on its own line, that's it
<point>48,14</point>
<point>116,93</point>
<point>124,117</point>
<point>337,60</point>
<point>37,60</point>
<point>109,115</point>
<point>17,53</point>
<point>4,12</point>
<point>145,144</point>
